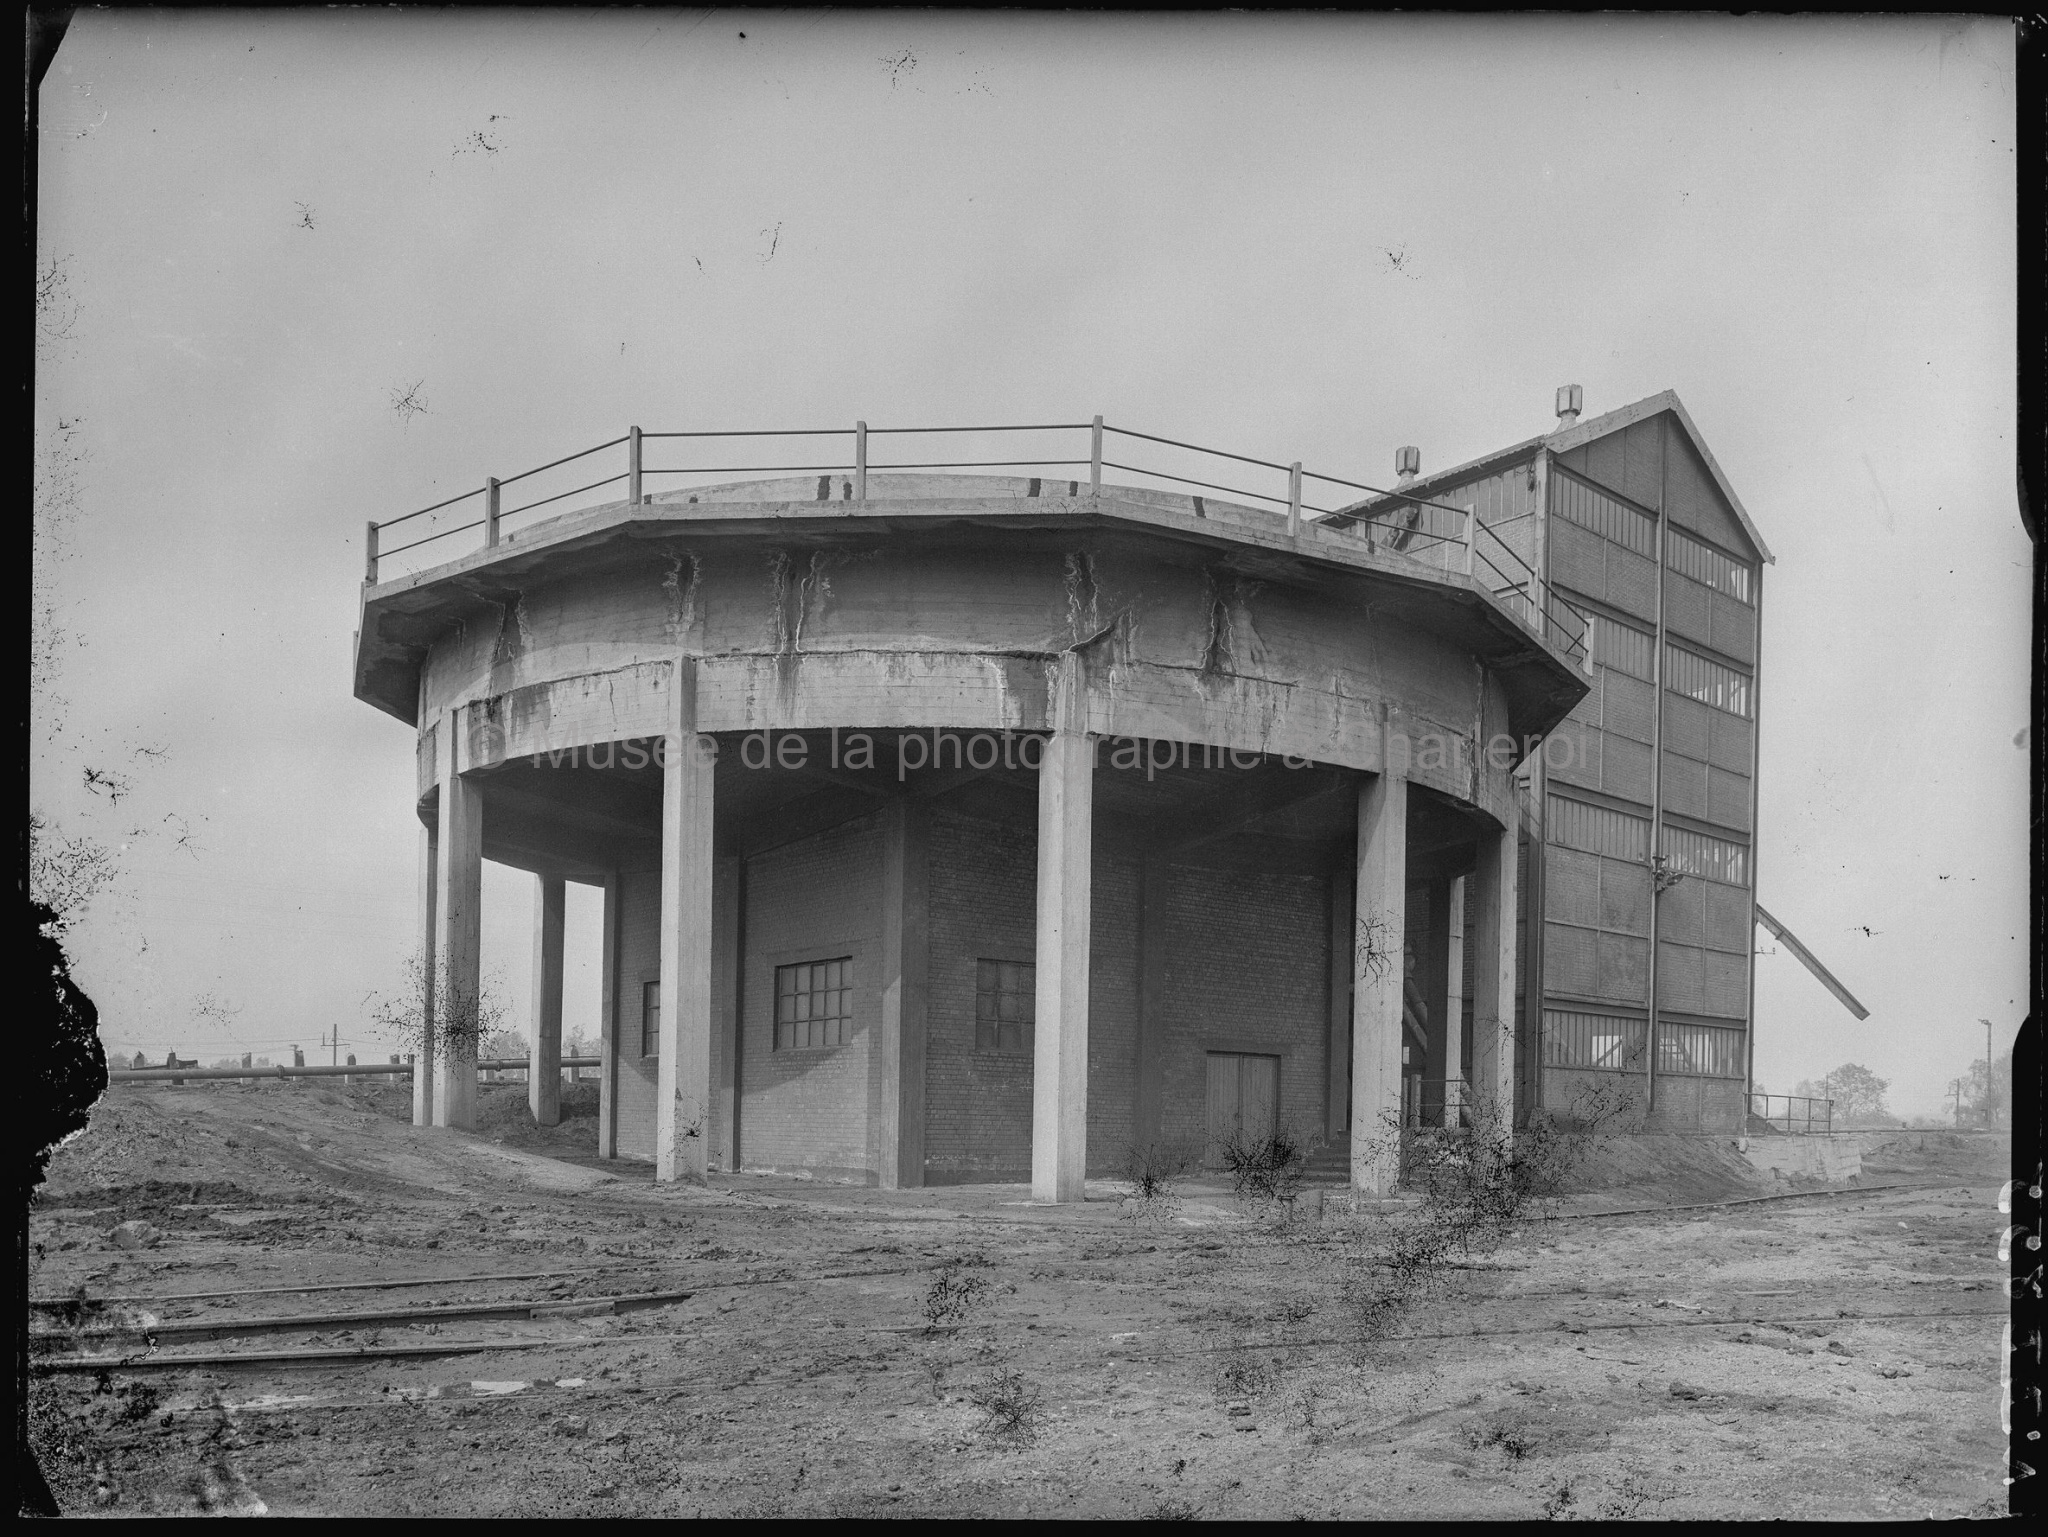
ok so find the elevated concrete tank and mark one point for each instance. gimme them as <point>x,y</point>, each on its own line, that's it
<point>984,827</point>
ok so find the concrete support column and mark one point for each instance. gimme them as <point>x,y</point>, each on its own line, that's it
<point>1379,930</point>
<point>905,965</point>
<point>544,1048</point>
<point>728,891</point>
<point>458,945</point>
<point>608,1025</point>
<point>1066,816</point>
<point>682,1111</point>
<point>1493,978</point>
<point>429,1042</point>
<point>1454,1002</point>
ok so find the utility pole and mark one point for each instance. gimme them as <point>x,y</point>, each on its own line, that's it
<point>1990,1097</point>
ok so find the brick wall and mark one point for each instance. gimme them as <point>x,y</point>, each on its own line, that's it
<point>639,961</point>
<point>1247,964</point>
<point>809,1109</point>
<point>1247,969</point>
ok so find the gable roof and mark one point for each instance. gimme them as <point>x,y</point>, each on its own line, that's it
<point>1563,441</point>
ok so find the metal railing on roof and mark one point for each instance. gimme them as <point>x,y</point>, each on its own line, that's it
<point>1440,535</point>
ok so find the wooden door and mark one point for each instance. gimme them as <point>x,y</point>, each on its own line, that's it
<point>1244,1101</point>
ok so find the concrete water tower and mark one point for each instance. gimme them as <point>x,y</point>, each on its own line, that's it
<point>980,826</point>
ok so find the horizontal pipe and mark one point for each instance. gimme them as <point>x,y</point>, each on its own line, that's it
<point>322,1070</point>
<point>747,469</point>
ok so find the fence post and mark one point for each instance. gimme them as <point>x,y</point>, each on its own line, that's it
<point>1294,500</point>
<point>1095,460</point>
<point>633,465</point>
<point>370,556</point>
<point>860,461</point>
<point>490,511</point>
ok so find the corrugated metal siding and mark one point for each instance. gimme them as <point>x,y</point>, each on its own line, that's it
<point>1728,798</point>
<point>1568,962</point>
<point>1577,559</point>
<point>1685,786</point>
<point>1699,1051</point>
<point>1621,969</point>
<point>1726,985</point>
<point>1624,897</point>
<point>1592,508</point>
<point>1685,609</point>
<point>1710,859</point>
<point>1728,741</point>
<point>1693,501</point>
<point>1572,1038</point>
<point>1734,628</point>
<point>1728,920</point>
<point>1709,682</point>
<point>1573,892</point>
<point>1597,830</point>
<point>1681,982</point>
<point>1685,728</point>
<point>1631,584</point>
<point>1628,708</point>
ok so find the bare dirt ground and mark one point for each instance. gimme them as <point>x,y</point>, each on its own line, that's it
<point>960,1352</point>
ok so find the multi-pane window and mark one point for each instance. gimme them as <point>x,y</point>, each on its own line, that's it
<point>1709,682</point>
<point>1578,501</point>
<point>1707,566</point>
<point>1596,830</point>
<point>650,1019</point>
<point>1699,1051</point>
<point>1622,646</point>
<point>814,1003</point>
<point>1573,1039</point>
<point>1005,1003</point>
<point>1714,859</point>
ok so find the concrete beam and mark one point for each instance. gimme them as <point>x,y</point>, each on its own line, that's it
<point>458,948</point>
<point>1493,977</point>
<point>905,961</point>
<point>682,1112</point>
<point>544,1062</point>
<point>1241,809</point>
<point>1059,1085</point>
<point>1378,929</point>
<point>428,1043</point>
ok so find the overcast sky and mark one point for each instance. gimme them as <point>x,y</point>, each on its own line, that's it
<point>1309,239</point>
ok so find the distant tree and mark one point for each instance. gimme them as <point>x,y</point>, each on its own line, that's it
<point>1858,1093</point>
<point>501,1045</point>
<point>1987,1096</point>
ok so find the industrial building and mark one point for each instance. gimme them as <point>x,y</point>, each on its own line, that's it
<point>1638,828</point>
<point>978,827</point>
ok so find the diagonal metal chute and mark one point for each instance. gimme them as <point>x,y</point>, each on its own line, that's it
<point>1790,941</point>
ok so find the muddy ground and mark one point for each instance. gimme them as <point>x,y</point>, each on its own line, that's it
<point>811,1349</point>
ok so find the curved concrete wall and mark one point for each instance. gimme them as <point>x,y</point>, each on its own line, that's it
<point>899,632</point>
